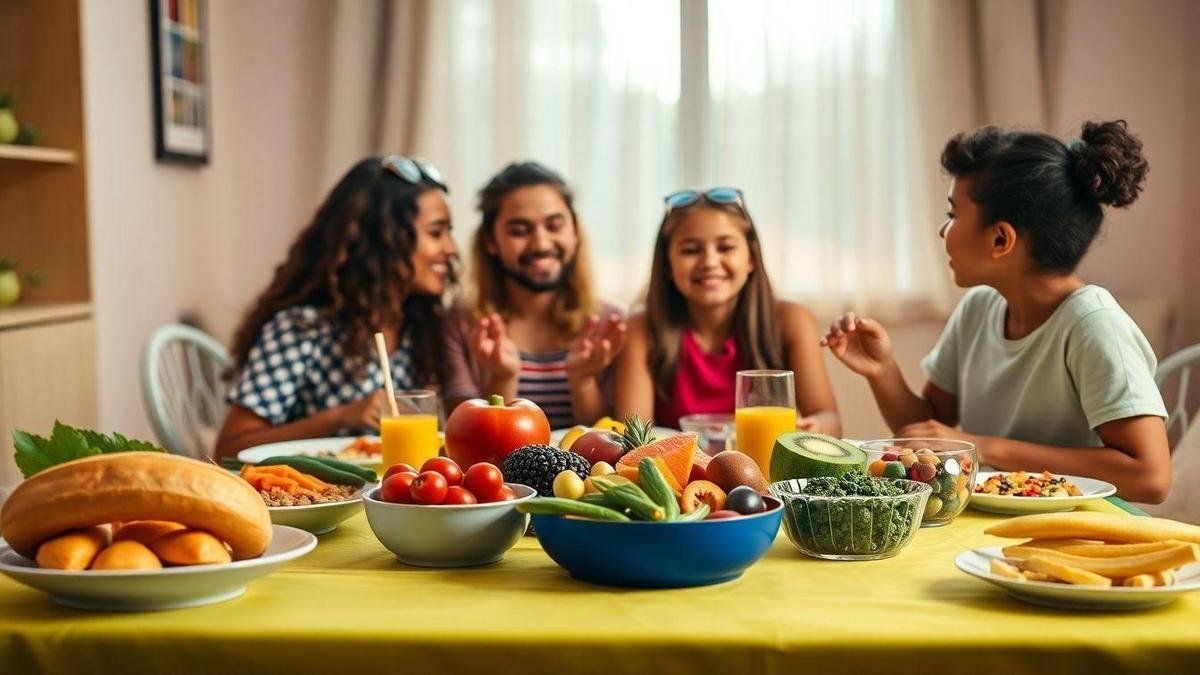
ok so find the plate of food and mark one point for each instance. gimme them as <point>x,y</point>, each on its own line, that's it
<point>156,589</point>
<point>314,494</point>
<point>1090,560</point>
<point>557,435</point>
<point>1039,588</point>
<point>363,450</point>
<point>133,529</point>
<point>1018,492</point>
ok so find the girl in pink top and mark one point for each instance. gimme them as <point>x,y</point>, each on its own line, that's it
<point>709,313</point>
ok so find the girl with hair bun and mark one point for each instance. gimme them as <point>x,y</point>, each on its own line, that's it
<point>1041,370</point>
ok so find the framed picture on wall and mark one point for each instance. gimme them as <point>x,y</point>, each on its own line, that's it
<point>179,58</point>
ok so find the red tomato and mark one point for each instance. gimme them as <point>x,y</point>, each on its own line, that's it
<point>506,494</point>
<point>399,468</point>
<point>484,480</point>
<point>445,466</point>
<point>397,487</point>
<point>487,431</point>
<point>459,495</point>
<point>429,488</point>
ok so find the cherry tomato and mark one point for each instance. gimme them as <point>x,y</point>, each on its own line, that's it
<point>459,495</point>
<point>506,494</point>
<point>429,488</point>
<point>445,466</point>
<point>399,468</point>
<point>484,480</point>
<point>397,488</point>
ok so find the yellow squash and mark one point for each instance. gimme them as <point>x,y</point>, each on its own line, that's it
<point>73,550</point>
<point>126,555</point>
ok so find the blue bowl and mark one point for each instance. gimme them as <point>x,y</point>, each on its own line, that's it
<point>658,555</point>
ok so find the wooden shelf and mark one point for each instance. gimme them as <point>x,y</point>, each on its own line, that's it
<point>28,314</point>
<point>33,153</point>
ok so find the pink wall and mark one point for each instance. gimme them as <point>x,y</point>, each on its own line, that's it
<point>1118,59</point>
<point>169,238</point>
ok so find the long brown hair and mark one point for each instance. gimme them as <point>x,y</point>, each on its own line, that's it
<point>575,300</point>
<point>354,263</point>
<point>755,329</point>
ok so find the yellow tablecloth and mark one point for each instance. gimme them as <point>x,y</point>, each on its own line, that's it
<point>348,607</point>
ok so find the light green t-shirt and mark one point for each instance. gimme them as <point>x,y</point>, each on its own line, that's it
<point>1086,365</point>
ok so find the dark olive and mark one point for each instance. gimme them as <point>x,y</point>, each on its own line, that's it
<point>744,500</point>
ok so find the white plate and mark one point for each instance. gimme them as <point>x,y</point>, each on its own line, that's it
<point>319,518</point>
<point>659,432</point>
<point>1090,487</point>
<point>1067,596</point>
<point>168,588</point>
<point>308,446</point>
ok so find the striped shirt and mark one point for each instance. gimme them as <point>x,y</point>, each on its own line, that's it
<point>543,380</point>
<point>543,377</point>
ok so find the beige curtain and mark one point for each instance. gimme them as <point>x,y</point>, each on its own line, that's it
<point>378,69</point>
<point>395,88</point>
<point>971,62</point>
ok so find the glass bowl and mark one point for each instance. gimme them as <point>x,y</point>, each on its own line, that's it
<point>947,466</point>
<point>853,527</point>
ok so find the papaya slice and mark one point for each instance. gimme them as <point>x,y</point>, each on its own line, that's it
<point>677,452</point>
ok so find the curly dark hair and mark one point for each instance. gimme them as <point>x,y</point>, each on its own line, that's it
<point>1048,190</point>
<point>354,263</point>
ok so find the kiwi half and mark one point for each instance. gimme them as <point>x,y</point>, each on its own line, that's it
<point>804,454</point>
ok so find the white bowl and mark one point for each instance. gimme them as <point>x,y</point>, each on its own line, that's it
<point>463,535</point>
<point>168,588</point>
<point>319,518</point>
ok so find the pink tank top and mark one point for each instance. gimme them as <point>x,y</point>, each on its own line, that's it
<point>704,383</point>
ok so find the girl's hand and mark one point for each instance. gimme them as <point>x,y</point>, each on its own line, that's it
<point>491,347</point>
<point>860,343</point>
<point>363,413</point>
<point>596,346</point>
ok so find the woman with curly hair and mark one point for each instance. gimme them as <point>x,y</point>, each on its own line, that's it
<point>1043,371</point>
<point>377,257</point>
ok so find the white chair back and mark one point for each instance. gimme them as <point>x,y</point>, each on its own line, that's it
<point>183,389</point>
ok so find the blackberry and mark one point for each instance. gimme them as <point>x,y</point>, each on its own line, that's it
<point>537,465</point>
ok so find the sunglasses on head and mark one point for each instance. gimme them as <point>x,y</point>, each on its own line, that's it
<point>413,169</point>
<point>717,195</point>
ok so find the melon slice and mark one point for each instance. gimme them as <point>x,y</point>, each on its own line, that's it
<point>802,454</point>
<point>676,451</point>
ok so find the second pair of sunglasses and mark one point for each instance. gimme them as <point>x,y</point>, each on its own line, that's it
<point>717,195</point>
<point>413,169</point>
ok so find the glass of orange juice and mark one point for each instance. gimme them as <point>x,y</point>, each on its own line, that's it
<point>765,408</point>
<point>411,436</point>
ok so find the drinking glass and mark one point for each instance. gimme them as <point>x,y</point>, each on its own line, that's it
<point>411,436</point>
<point>765,408</point>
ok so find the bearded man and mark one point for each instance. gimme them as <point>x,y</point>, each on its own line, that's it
<point>530,326</point>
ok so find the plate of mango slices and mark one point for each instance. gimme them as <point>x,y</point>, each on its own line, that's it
<point>1090,560</point>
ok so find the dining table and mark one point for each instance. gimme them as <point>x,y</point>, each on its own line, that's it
<point>350,607</point>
